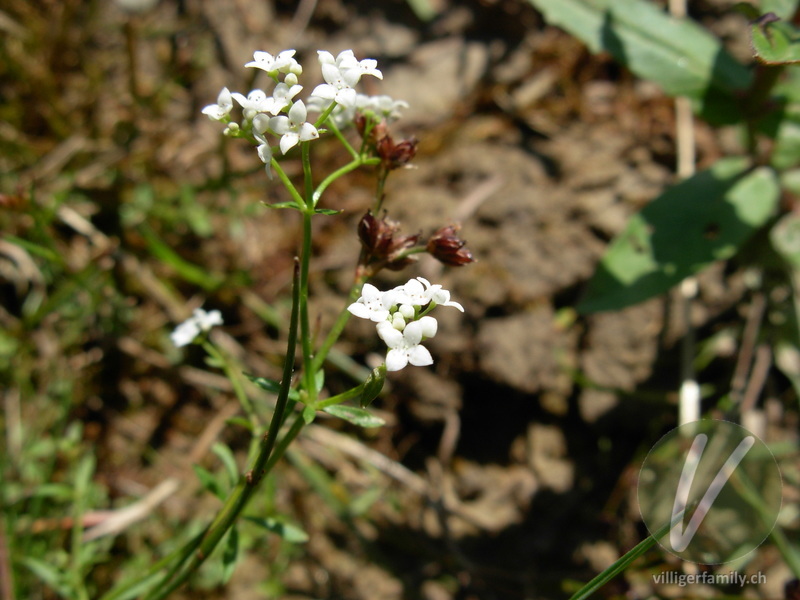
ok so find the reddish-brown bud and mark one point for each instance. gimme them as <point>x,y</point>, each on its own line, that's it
<point>396,155</point>
<point>448,248</point>
<point>382,242</point>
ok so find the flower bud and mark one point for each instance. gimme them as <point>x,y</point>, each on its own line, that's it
<point>373,385</point>
<point>446,247</point>
<point>382,242</point>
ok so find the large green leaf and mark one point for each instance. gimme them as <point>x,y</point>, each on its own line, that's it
<point>694,223</point>
<point>783,8</point>
<point>776,42</point>
<point>679,55</point>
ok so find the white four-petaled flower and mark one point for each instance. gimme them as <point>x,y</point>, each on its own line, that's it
<point>220,110</point>
<point>341,74</point>
<point>399,324</point>
<point>283,62</point>
<point>373,304</point>
<point>293,128</point>
<point>200,322</point>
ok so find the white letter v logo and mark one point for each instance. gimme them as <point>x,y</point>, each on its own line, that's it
<point>679,538</point>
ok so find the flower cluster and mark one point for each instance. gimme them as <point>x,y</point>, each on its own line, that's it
<point>200,322</point>
<point>402,319</point>
<point>281,115</point>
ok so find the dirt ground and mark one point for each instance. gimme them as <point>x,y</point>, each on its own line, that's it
<point>507,469</point>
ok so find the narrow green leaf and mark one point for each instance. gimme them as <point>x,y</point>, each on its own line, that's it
<point>240,422</point>
<point>225,454</point>
<point>272,386</point>
<point>188,271</point>
<point>309,414</point>
<point>230,555</point>
<point>679,55</point>
<point>327,211</point>
<point>356,416</point>
<point>49,574</point>
<point>775,42</point>
<point>290,533</point>
<point>286,204</point>
<point>209,482</point>
<point>694,223</point>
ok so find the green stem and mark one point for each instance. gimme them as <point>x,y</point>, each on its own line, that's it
<point>236,382</point>
<point>305,326</point>
<point>338,326</point>
<point>339,398</point>
<point>287,183</point>
<point>621,564</point>
<point>351,166</point>
<point>248,483</point>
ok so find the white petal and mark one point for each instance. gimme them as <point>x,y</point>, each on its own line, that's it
<point>325,57</point>
<point>413,333</point>
<point>260,123</point>
<point>396,360</point>
<point>360,310</point>
<point>370,293</point>
<point>288,141</point>
<point>298,113</point>
<point>429,326</point>
<point>455,305</point>
<point>346,97</point>
<point>418,356</point>
<point>308,132</point>
<point>279,125</point>
<point>390,335</point>
<point>324,91</point>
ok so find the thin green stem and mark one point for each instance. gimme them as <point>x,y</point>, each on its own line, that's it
<point>287,183</point>
<point>338,327</point>
<point>305,327</point>
<point>620,565</point>
<point>351,166</point>
<point>236,382</point>
<point>248,483</point>
<point>337,132</point>
<point>339,398</point>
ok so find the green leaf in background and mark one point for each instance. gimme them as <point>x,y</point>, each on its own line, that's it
<point>703,219</point>
<point>356,416</point>
<point>786,132</point>
<point>783,8</point>
<point>272,386</point>
<point>679,55</point>
<point>209,482</point>
<point>775,42</point>
<point>188,271</point>
<point>225,454</point>
<point>290,533</point>
<point>230,555</point>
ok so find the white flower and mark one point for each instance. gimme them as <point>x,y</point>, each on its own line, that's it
<point>220,110</point>
<point>382,106</point>
<point>282,96</point>
<point>264,152</point>
<point>373,304</point>
<point>420,292</point>
<point>200,321</point>
<point>404,347</point>
<point>293,128</point>
<point>412,292</point>
<point>341,74</point>
<point>256,102</point>
<point>283,62</point>
<point>440,296</point>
